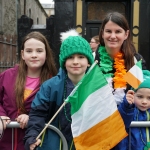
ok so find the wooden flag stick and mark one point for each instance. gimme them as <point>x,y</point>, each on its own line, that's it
<point>51,120</point>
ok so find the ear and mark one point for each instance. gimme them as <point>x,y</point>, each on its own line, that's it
<point>22,54</point>
<point>88,65</point>
<point>126,34</point>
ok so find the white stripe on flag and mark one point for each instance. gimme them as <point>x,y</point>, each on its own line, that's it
<point>104,104</point>
<point>137,72</point>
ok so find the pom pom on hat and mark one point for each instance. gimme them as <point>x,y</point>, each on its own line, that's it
<point>146,81</point>
<point>73,43</point>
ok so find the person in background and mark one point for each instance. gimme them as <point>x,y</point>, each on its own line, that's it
<point>94,44</point>
<point>18,86</point>
<point>117,53</point>
<point>75,57</point>
<point>136,107</point>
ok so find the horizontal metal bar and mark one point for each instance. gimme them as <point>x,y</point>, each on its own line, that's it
<point>140,124</point>
<point>14,124</point>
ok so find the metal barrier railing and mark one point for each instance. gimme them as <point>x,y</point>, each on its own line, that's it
<point>14,124</point>
<point>137,124</point>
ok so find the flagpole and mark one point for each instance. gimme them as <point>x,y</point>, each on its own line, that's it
<point>73,91</point>
<point>51,120</point>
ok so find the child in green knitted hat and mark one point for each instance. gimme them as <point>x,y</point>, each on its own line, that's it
<point>136,107</point>
<point>75,57</point>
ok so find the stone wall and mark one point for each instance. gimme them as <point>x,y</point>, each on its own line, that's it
<point>9,14</point>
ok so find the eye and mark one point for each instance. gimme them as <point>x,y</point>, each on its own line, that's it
<point>139,96</point>
<point>70,57</point>
<point>118,31</point>
<point>28,51</point>
<point>108,31</point>
<point>39,50</point>
<point>81,56</point>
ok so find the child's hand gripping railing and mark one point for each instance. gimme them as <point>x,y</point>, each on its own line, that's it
<point>14,124</point>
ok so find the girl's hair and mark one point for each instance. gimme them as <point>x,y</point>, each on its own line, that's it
<point>48,69</point>
<point>127,48</point>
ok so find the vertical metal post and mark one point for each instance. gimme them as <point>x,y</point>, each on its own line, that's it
<point>130,138</point>
<point>12,138</point>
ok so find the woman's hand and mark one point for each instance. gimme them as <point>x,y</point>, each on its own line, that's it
<point>130,97</point>
<point>6,120</point>
<point>34,145</point>
<point>23,120</point>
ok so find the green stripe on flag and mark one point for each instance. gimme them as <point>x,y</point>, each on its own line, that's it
<point>90,83</point>
<point>139,64</point>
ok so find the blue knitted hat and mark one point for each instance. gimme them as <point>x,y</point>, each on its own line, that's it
<point>73,43</point>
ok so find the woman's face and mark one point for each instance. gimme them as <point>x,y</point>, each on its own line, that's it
<point>114,37</point>
<point>93,44</point>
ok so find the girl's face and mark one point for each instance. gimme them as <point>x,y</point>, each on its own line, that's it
<point>93,44</point>
<point>34,54</point>
<point>142,99</point>
<point>76,65</point>
<point>114,37</point>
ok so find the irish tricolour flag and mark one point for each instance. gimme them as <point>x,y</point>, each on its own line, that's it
<point>96,122</point>
<point>135,75</point>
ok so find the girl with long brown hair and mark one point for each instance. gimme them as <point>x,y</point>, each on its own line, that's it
<point>19,85</point>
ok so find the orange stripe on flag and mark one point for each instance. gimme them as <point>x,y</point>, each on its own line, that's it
<point>132,80</point>
<point>105,135</point>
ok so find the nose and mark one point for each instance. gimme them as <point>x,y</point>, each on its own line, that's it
<point>75,60</point>
<point>113,35</point>
<point>144,101</point>
<point>34,54</point>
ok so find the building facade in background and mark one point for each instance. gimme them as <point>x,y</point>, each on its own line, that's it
<point>49,8</point>
<point>10,12</point>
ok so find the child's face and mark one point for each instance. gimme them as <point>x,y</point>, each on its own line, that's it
<point>142,99</point>
<point>76,65</point>
<point>34,54</point>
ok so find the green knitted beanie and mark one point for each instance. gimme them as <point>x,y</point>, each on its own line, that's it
<point>146,81</point>
<point>73,43</point>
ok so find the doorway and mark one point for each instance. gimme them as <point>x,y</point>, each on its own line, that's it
<point>94,12</point>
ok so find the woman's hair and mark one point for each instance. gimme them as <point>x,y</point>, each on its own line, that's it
<point>96,38</point>
<point>48,69</point>
<point>127,48</point>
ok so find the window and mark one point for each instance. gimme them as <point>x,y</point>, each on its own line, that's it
<point>98,10</point>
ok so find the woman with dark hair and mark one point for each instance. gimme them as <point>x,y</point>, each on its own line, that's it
<point>117,53</point>
<point>19,85</point>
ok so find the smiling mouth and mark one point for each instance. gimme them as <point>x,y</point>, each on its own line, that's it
<point>143,107</point>
<point>34,60</point>
<point>113,41</point>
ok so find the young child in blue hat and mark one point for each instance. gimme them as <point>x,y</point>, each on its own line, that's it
<point>75,57</point>
<point>136,107</point>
